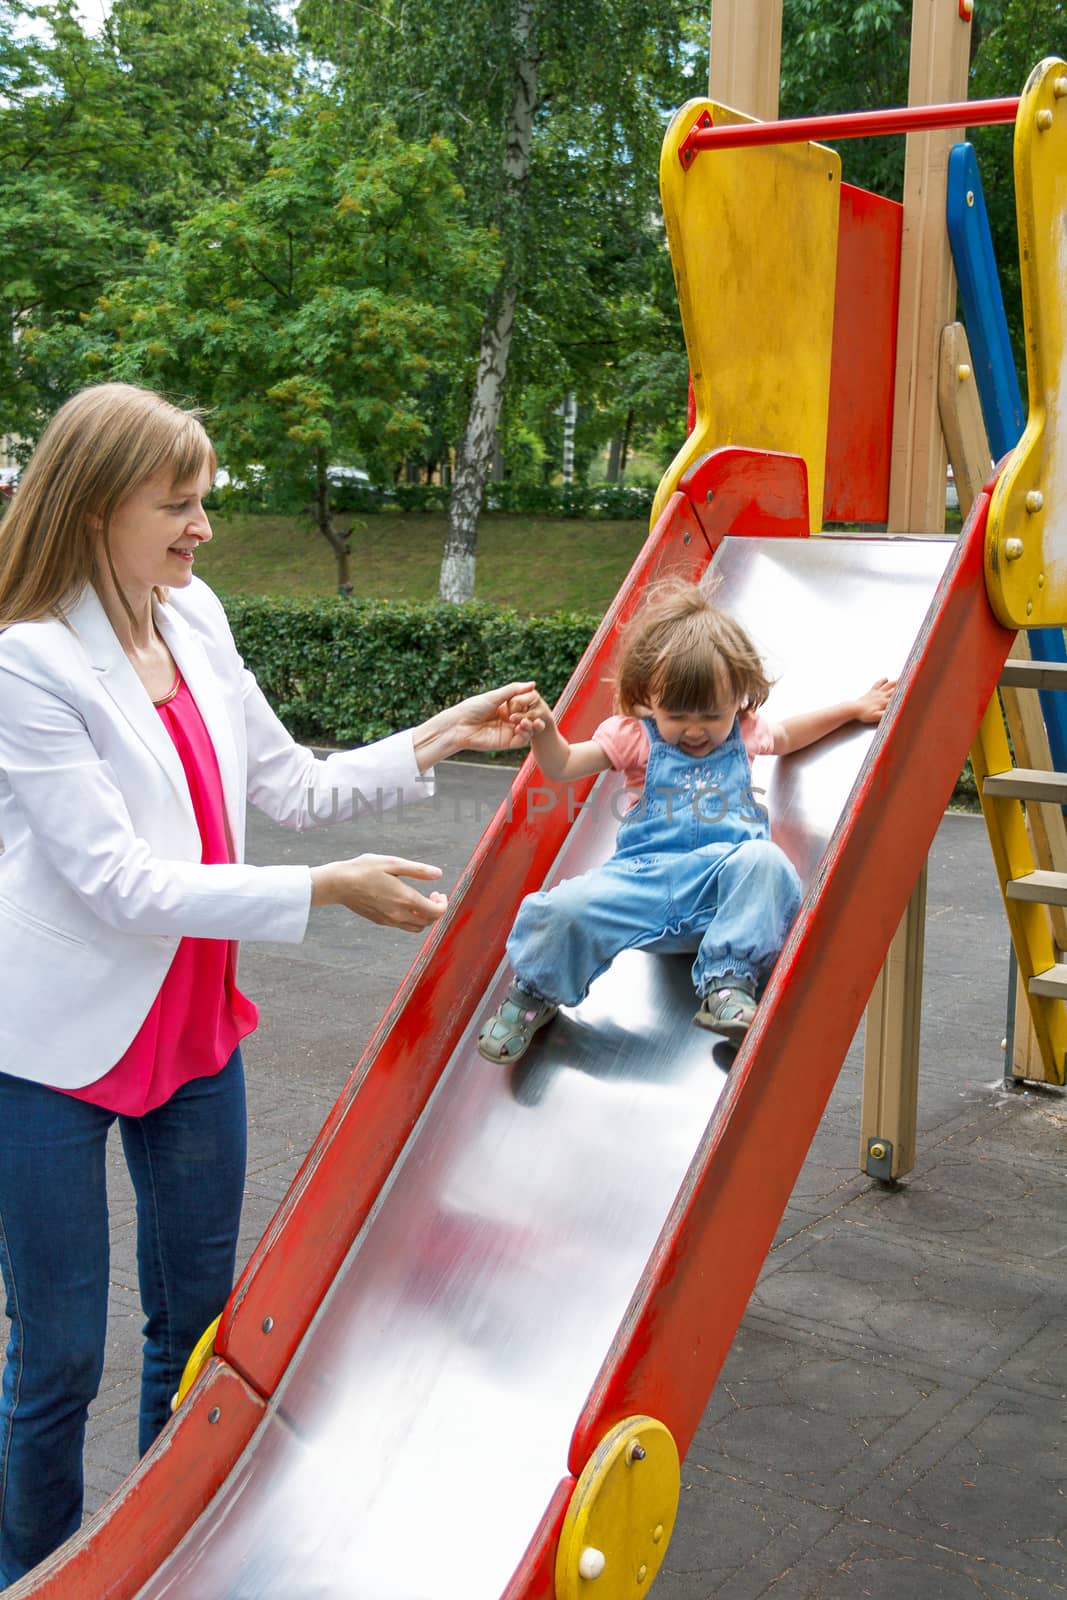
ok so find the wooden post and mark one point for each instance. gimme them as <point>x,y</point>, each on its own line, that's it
<point>746,56</point>
<point>940,56</point>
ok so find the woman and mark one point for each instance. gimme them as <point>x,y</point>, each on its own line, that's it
<point>130,736</point>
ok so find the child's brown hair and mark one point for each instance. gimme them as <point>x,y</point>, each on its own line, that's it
<point>687,654</point>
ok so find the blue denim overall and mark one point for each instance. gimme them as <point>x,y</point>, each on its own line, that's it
<point>694,869</point>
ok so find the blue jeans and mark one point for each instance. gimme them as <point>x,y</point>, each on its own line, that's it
<point>187,1162</point>
<point>731,903</point>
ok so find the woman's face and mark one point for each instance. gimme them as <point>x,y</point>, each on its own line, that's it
<point>156,532</point>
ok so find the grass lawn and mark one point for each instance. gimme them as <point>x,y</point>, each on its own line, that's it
<point>534,564</point>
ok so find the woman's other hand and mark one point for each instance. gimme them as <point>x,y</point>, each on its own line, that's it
<point>372,887</point>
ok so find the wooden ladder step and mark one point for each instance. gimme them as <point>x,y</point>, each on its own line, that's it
<point>1049,888</point>
<point>1034,675</point>
<point>1026,783</point>
<point>1052,984</point>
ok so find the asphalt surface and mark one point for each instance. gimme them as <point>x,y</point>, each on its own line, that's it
<point>890,1422</point>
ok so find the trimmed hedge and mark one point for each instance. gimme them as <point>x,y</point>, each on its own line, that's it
<point>349,671</point>
<point>609,502</point>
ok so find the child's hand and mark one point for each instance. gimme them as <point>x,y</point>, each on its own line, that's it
<point>529,713</point>
<point>870,707</point>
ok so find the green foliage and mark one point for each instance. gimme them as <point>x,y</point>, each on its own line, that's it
<point>308,311</point>
<point>1024,33</point>
<point>349,671</point>
<point>105,143</point>
<point>579,234</point>
<point>850,55</point>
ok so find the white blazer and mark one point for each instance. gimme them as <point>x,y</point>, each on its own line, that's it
<point>100,874</point>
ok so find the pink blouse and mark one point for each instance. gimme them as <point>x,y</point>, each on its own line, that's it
<point>199,1016</point>
<point>624,740</point>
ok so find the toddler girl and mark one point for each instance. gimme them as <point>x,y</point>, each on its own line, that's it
<point>694,866</point>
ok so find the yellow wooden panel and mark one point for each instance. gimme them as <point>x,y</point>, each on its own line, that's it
<point>753,239</point>
<point>621,1514</point>
<point>1026,544</point>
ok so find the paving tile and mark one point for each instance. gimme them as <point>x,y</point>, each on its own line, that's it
<point>990,1482</point>
<point>904,1294</point>
<point>861,1561</point>
<point>728,1547</point>
<point>986,1206</point>
<point>814,1420</point>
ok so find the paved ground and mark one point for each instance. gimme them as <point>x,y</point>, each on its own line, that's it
<point>891,1420</point>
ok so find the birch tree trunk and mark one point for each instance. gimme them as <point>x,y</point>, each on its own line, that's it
<point>475,454</point>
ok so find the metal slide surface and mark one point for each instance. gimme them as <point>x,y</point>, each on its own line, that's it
<point>424,1423</point>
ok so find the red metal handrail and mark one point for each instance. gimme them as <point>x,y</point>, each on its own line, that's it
<point>847,125</point>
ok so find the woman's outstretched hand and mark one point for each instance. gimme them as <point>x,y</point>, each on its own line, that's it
<point>372,887</point>
<point>481,722</point>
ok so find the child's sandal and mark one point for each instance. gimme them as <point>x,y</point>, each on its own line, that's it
<point>508,1033</point>
<point>729,1011</point>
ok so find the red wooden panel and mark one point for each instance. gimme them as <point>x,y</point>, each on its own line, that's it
<point>864,358</point>
<point>119,1549</point>
<point>678,1329</point>
<point>736,491</point>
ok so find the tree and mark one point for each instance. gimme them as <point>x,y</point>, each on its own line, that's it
<point>1020,35</point>
<point>105,142</point>
<point>504,82</point>
<point>308,312</point>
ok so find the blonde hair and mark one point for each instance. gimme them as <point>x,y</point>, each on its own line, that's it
<point>100,446</point>
<point>686,653</point>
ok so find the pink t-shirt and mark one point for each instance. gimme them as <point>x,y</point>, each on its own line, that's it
<point>624,740</point>
<point>199,1016</point>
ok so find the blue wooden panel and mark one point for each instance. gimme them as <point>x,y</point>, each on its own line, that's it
<point>983,303</point>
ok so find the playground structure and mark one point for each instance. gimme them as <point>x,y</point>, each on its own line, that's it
<point>444,1287</point>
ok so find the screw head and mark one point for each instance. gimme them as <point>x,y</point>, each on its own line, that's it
<point>878,1151</point>
<point>1034,500</point>
<point>591,1563</point>
<point>1013,549</point>
<point>637,1451</point>
<point>963,372</point>
<point>709,497</point>
<point>1059,88</point>
<point>213,1415</point>
<point>1044,120</point>
<point>970,197</point>
<point>268,1324</point>
<point>1029,608</point>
